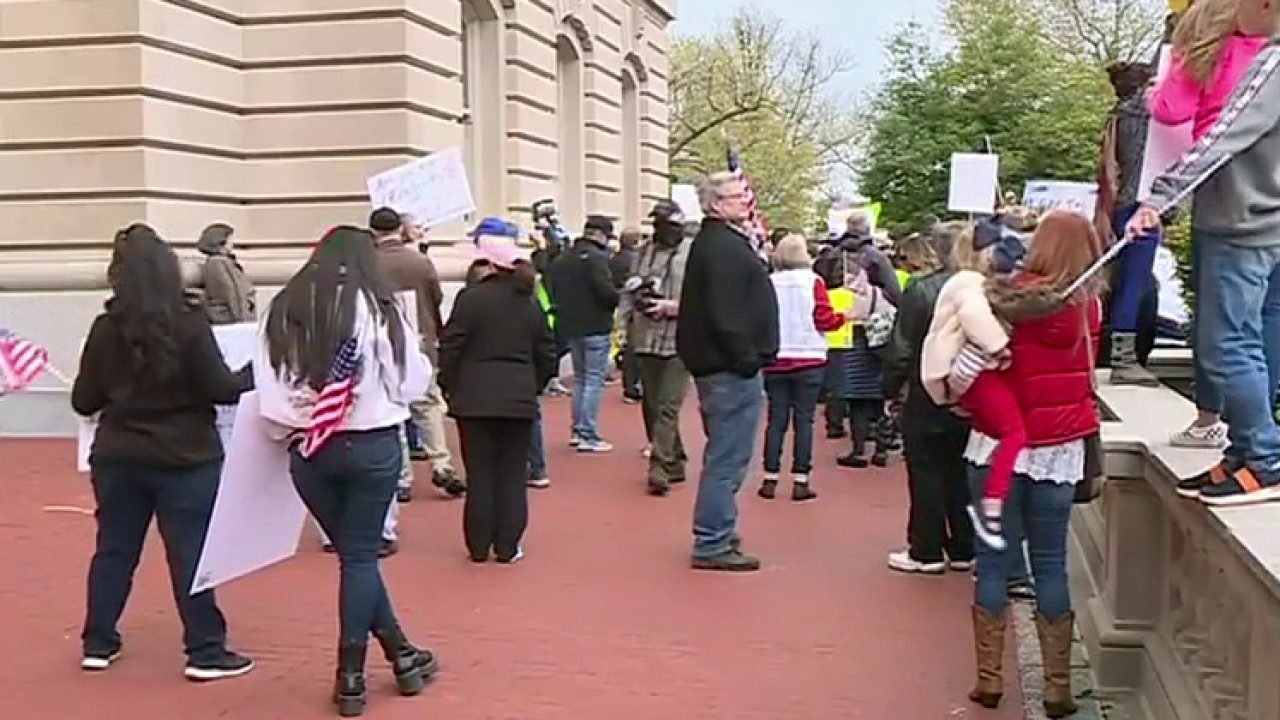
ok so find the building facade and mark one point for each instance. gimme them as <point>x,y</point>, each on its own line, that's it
<point>270,115</point>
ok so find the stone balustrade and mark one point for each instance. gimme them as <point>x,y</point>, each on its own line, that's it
<point>1178,604</point>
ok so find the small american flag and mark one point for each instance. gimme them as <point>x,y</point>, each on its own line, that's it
<point>755,222</point>
<point>21,361</point>
<point>334,401</point>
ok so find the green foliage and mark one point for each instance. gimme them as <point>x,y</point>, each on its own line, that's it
<point>1177,237</point>
<point>1000,80</point>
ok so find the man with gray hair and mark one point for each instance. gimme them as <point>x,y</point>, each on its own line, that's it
<point>727,332</point>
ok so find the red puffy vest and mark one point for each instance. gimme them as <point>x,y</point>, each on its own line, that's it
<point>1051,373</point>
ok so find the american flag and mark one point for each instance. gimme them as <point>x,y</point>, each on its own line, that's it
<point>21,361</point>
<point>755,222</point>
<point>335,399</point>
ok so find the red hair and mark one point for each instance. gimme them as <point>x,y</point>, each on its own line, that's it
<point>1064,245</point>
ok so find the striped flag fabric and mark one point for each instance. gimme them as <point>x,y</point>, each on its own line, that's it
<point>21,361</point>
<point>754,220</point>
<point>334,400</point>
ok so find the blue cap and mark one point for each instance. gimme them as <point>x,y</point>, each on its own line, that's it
<point>495,227</point>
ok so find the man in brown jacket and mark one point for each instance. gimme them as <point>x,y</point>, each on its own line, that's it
<point>412,271</point>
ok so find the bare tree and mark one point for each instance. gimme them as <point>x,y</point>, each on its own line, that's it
<point>1104,31</point>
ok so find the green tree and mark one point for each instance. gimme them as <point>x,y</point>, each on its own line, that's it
<point>767,91</point>
<point>1001,82</point>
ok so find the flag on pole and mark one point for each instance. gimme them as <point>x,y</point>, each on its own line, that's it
<point>755,223</point>
<point>335,398</point>
<point>21,361</point>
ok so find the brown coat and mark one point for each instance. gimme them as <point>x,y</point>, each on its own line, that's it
<point>229,297</point>
<point>409,269</point>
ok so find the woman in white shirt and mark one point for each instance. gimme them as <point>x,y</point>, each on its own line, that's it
<point>336,369</point>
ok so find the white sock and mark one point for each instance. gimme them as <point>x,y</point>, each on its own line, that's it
<point>800,479</point>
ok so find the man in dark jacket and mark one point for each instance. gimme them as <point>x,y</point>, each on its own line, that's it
<point>726,334</point>
<point>582,289</point>
<point>857,249</point>
<point>938,527</point>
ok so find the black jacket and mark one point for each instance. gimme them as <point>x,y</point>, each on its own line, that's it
<point>901,368</point>
<point>167,424</point>
<point>581,285</point>
<point>728,312</point>
<point>496,352</point>
<point>862,250</point>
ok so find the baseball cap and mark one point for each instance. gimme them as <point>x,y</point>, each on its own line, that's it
<point>495,227</point>
<point>667,211</point>
<point>601,223</point>
<point>384,219</point>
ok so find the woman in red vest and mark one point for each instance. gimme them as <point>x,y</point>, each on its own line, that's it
<point>1051,376</point>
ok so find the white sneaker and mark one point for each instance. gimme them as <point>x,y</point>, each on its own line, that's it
<point>595,446</point>
<point>902,561</point>
<point>1211,437</point>
<point>98,663</point>
<point>541,483</point>
<point>575,442</point>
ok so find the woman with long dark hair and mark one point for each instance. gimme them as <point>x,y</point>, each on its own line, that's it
<point>496,353</point>
<point>337,368</point>
<point>153,372</point>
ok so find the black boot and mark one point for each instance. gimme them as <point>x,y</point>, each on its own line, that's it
<point>856,457</point>
<point>880,458</point>
<point>412,667</point>
<point>349,688</point>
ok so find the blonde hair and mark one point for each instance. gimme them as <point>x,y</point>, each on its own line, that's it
<point>1202,32</point>
<point>792,253</point>
<point>964,256</point>
<point>916,253</point>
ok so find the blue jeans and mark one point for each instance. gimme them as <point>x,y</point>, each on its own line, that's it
<point>730,406</point>
<point>348,486</point>
<point>1206,395</point>
<point>537,449</point>
<point>793,400</point>
<point>590,364</point>
<point>128,495</point>
<point>1044,509</point>
<point>1238,328</point>
<point>1133,274</point>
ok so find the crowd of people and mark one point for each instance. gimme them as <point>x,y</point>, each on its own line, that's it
<point>970,347</point>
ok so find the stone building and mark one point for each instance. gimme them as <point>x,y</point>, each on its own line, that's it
<point>269,115</point>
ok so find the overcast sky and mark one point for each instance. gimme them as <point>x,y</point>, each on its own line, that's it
<point>857,26</point>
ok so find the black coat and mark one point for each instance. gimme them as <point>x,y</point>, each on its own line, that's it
<point>496,352</point>
<point>901,369</point>
<point>580,282</point>
<point>728,318</point>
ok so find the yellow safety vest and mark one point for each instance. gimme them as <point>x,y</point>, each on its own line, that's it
<point>904,277</point>
<point>841,302</point>
<point>544,301</point>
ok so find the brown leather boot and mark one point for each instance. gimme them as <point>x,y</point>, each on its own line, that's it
<point>988,645</point>
<point>1055,652</point>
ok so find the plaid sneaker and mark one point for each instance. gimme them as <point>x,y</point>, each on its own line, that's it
<point>1211,437</point>
<point>1243,487</point>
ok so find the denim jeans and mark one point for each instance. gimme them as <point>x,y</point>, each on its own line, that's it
<point>1238,328</point>
<point>793,400</point>
<point>128,495</point>
<point>1044,509</point>
<point>348,486</point>
<point>537,448</point>
<point>1206,395</point>
<point>730,406</point>
<point>1133,274</point>
<point>590,365</point>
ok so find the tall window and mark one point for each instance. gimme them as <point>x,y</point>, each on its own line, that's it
<point>631,201</point>
<point>482,103</point>
<point>569,123</point>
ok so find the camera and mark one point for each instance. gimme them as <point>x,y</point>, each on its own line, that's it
<point>645,293</point>
<point>546,218</point>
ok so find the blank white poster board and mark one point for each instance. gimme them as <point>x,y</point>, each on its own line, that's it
<point>974,182</point>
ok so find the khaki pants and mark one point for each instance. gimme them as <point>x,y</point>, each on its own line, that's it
<point>429,414</point>
<point>665,383</point>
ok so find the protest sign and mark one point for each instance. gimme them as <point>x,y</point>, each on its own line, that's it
<point>433,189</point>
<point>974,182</point>
<point>686,196</point>
<point>257,517</point>
<point>237,344</point>
<point>1045,195</point>
<point>1165,143</point>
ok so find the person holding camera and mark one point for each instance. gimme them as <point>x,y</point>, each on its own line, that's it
<point>585,297</point>
<point>652,305</point>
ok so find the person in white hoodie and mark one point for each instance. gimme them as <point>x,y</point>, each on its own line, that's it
<point>336,369</point>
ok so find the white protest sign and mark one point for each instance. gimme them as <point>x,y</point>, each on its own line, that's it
<point>237,345</point>
<point>686,196</point>
<point>1045,195</point>
<point>257,517</point>
<point>974,182</point>
<point>434,189</point>
<point>1165,143</point>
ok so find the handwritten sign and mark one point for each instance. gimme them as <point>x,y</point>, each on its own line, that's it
<point>974,182</point>
<point>434,189</point>
<point>1045,195</point>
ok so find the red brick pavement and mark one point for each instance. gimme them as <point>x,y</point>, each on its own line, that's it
<point>602,620</point>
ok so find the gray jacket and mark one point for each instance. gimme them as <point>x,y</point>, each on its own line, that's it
<point>1234,170</point>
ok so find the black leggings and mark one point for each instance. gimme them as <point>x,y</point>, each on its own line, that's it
<point>495,452</point>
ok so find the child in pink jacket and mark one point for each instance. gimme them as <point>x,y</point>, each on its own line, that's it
<point>1213,46</point>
